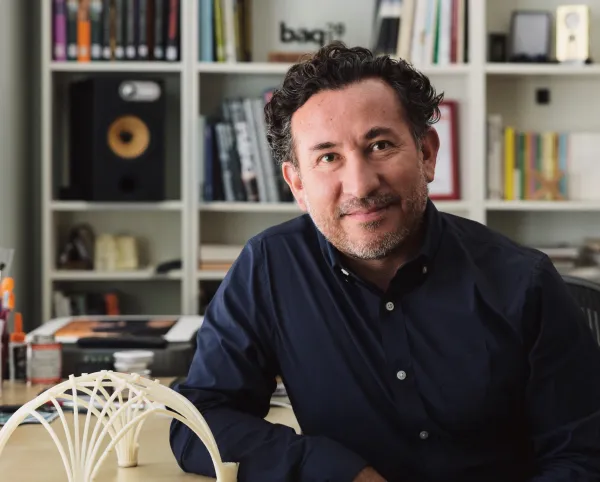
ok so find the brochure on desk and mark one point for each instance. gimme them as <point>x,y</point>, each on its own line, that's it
<point>174,329</point>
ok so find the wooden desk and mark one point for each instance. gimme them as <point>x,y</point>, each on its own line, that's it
<point>31,456</point>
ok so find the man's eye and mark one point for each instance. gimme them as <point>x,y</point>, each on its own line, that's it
<point>380,145</point>
<point>327,158</point>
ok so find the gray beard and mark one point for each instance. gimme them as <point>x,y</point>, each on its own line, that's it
<point>386,243</point>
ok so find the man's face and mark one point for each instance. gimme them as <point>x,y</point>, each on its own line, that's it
<point>360,175</point>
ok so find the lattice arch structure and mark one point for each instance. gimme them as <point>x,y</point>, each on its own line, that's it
<point>118,415</point>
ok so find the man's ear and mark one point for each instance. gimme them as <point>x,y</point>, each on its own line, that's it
<point>291,174</point>
<point>430,145</point>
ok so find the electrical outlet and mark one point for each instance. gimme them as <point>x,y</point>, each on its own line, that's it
<point>542,96</point>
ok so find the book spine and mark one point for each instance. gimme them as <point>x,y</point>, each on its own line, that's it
<point>159,30</point>
<point>532,163</point>
<point>119,29</point>
<point>206,160</point>
<point>96,13</point>
<point>509,163</point>
<point>172,50</point>
<point>206,31</point>
<point>462,29</point>
<point>72,12</point>
<point>265,153</point>
<point>242,139</point>
<point>223,153</point>
<point>84,33</point>
<point>130,22</point>
<point>495,160</point>
<point>454,31</point>
<point>150,28</point>
<point>252,133</point>
<point>60,30</point>
<point>108,15</point>
<point>143,30</point>
<point>563,148</point>
<point>219,30</point>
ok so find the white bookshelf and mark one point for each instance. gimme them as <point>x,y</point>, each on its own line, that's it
<point>175,228</point>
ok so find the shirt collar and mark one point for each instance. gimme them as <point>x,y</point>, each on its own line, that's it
<point>431,240</point>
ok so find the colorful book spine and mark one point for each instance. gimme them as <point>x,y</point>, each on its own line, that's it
<point>563,156</point>
<point>159,30</point>
<point>172,49</point>
<point>509,163</point>
<point>84,33</point>
<point>72,11</point>
<point>96,11</point>
<point>60,30</point>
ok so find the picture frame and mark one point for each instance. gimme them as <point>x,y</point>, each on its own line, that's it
<point>446,183</point>
<point>530,36</point>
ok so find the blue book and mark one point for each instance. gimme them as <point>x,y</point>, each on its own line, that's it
<point>206,37</point>
<point>563,152</point>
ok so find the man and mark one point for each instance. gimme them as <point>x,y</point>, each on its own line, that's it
<point>414,345</point>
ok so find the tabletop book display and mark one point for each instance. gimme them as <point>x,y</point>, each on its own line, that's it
<point>114,405</point>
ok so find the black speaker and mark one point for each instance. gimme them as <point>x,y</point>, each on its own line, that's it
<point>117,139</point>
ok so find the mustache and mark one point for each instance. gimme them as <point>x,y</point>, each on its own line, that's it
<point>376,201</point>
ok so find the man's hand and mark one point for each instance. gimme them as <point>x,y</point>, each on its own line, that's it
<point>369,474</point>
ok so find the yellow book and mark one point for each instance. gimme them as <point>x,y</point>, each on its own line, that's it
<point>509,163</point>
<point>219,31</point>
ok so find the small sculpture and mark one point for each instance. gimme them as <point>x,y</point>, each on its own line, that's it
<point>118,415</point>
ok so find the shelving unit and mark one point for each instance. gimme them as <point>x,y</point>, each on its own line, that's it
<point>178,226</point>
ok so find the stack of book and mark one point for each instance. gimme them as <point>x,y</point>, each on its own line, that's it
<point>217,257</point>
<point>237,162</point>
<point>116,30</point>
<point>424,32</point>
<point>225,30</point>
<point>526,165</point>
<point>85,303</point>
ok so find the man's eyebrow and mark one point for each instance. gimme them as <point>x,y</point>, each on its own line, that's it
<point>321,146</point>
<point>374,132</point>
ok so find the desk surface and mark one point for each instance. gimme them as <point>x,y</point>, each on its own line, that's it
<point>31,455</point>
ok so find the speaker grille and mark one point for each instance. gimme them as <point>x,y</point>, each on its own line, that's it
<point>128,137</point>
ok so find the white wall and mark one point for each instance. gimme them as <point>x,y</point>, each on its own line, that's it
<point>14,152</point>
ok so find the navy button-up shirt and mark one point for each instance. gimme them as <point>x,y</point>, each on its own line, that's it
<point>475,364</point>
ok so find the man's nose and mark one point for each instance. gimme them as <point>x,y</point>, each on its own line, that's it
<point>360,178</point>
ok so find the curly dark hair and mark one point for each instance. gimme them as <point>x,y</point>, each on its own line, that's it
<point>336,66</point>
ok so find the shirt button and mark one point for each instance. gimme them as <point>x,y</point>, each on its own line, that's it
<point>424,435</point>
<point>389,306</point>
<point>401,375</point>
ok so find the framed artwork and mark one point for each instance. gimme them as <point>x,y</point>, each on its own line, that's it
<point>446,184</point>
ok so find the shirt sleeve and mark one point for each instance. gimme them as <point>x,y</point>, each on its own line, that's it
<point>231,380</point>
<point>563,391</point>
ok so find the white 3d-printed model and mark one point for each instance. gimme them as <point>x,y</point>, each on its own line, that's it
<point>119,414</point>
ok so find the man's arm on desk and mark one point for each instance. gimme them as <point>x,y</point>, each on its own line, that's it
<point>563,392</point>
<point>231,381</point>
